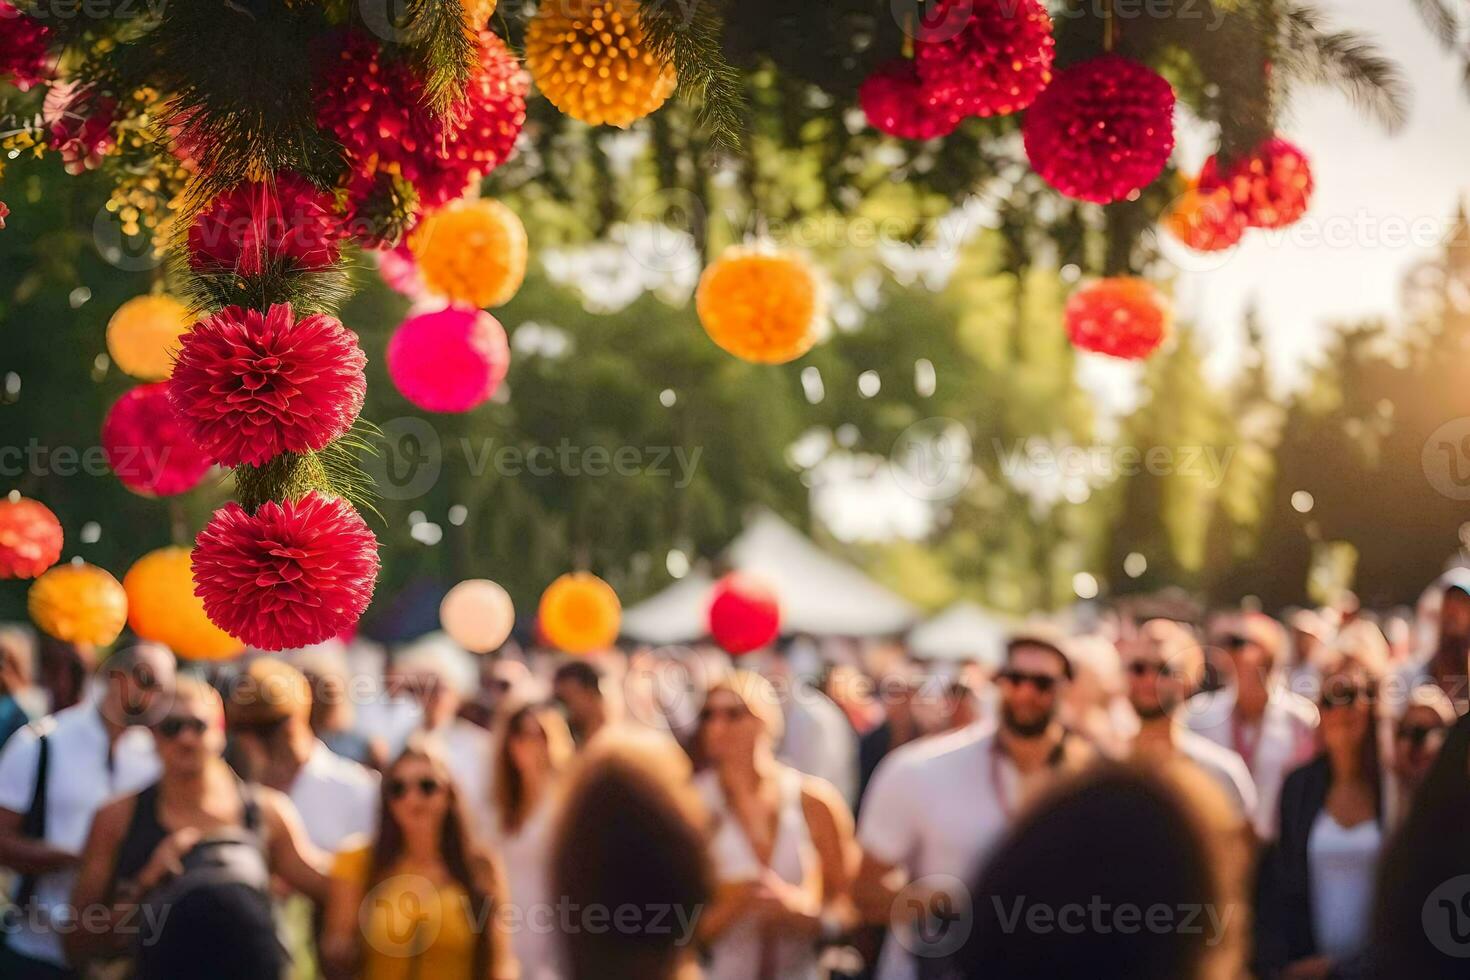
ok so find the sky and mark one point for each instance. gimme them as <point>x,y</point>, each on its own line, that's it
<point>1382,204</point>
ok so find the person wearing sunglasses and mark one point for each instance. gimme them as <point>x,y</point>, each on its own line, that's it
<point>1418,735</point>
<point>779,841</point>
<point>1254,714</point>
<point>1164,665</point>
<point>935,808</point>
<point>183,868</point>
<point>423,898</point>
<point>1316,884</point>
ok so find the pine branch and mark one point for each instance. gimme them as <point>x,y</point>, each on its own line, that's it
<point>689,33</point>
<point>1343,60</point>
<point>441,46</point>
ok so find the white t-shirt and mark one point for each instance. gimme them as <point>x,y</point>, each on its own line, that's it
<point>83,773</point>
<point>1283,740</point>
<point>336,798</point>
<point>469,751</point>
<point>1343,863</point>
<point>1223,765</point>
<point>819,741</point>
<point>936,807</point>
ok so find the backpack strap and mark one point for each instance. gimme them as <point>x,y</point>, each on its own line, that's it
<point>33,824</point>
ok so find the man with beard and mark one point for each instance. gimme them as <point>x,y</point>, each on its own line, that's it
<point>1164,665</point>
<point>937,806</point>
<point>54,775</point>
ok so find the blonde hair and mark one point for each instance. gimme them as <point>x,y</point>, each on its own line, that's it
<point>756,695</point>
<point>509,794</point>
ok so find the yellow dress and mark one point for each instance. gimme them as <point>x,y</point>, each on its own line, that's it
<point>411,928</point>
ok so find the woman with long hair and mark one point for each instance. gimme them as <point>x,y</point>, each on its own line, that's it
<point>423,899</point>
<point>532,751</point>
<point>1316,884</point>
<point>781,842</point>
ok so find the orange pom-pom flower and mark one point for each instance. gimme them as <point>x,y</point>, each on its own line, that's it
<point>589,58</point>
<point>761,307</point>
<point>1206,221</point>
<point>78,603</point>
<point>30,537</point>
<point>579,613</point>
<point>473,252</point>
<point>143,335</point>
<point>162,607</point>
<point>1123,317</point>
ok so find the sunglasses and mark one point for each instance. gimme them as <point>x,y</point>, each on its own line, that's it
<point>399,788</point>
<point>1345,696</point>
<point>1418,735</point>
<point>1044,683</point>
<point>174,726</point>
<point>1235,641</point>
<point>731,715</point>
<point>1142,668</point>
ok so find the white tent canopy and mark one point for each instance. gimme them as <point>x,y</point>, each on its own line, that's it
<point>963,631</point>
<point>819,594</point>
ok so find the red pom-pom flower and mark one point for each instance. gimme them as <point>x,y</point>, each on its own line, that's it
<point>897,102</point>
<point>23,57</point>
<point>290,574</point>
<point>374,107</point>
<point>985,57</point>
<point>1103,130</point>
<point>1272,186</point>
<point>30,538</point>
<point>284,223</point>
<point>80,122</point>
<point>1206,222</point>
<point>253,385</point>
<point>1122,317</point>
<point>744,614</point>
<point>149,447</point>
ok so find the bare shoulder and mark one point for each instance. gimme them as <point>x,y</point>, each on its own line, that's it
<point>817,793</point>
<point>113,817</point>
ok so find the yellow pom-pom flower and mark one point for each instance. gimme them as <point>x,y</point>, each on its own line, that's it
<point>477,13</point>
<point>590,59</point>
<point>472,252</point>
<point>162,607</point>
<point>79,603</point>
<point>761,307</point>
<point>143,336</point>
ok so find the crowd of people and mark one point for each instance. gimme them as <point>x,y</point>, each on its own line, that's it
<point>1129,794</point>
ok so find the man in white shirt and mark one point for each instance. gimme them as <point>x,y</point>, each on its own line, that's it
<point>269,711</point>
<point>1254,715</point>
<point>93,751</point>
<point>439,674</point>
<point>936,807</point>
<point>1165,664</point>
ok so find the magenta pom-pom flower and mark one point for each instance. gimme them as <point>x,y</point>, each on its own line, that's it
<point>1271,186</point>
<point>289,575</point>
<point>450,360</point>
<point>24,60</point>
<point>30,538</point>
<point>148,445</point>
<point>282,223</point>
<point>253,385</point>
<point>1103,130</point>
<point>375,107</point>
<point>985,57</point>
<point>897,102</point>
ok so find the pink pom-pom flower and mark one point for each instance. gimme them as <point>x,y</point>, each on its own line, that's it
<point>897,102</point>
<point>289,575</point>
<point>256,225</point>
<point>148,445</point>
<point>449,361</point>
<point>253,385</point>
<point>1103,130</point>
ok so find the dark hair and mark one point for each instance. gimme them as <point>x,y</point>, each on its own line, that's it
<point>1157,852</point>
<point>468,864</point>
<point>579,672</point>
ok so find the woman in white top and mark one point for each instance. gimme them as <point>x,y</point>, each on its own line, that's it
<point>533,749</point>
<point>781,842</point>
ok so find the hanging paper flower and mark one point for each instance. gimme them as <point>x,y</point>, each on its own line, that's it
<point>579,613</point>
<point>478,615</point>
<point>374,107</point>
<point>1103,130</point>
<point>254,385</point>
<point>80,123</point>
<point>30,537</point>
<point>761,307</point>
<point>144,333</point>
<point>24,61</point>
<point>1123,317</point>
<point>744,614</point>
<point>897,102</point>
<point>473,252</point>
<point>985,57</point>
<point>289,575</point>
<point>148,445</point>
<point>78,603</point>
<point>282,223</point>
<point>590,60</point>
<point>449,361</point>
<point>1271,186</point>
<point>162,607</point>
<point>1206,222</point>
<point>4,213</point>
<point>400,271</point>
